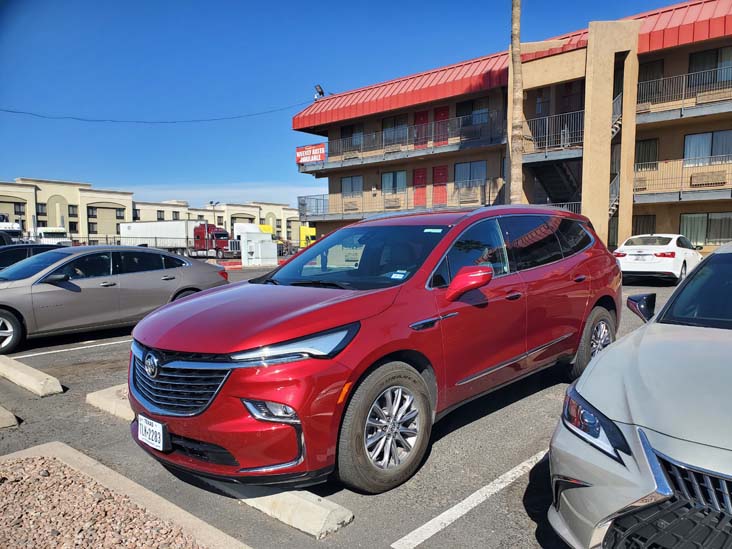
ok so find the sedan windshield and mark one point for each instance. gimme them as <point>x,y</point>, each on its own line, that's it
<point>32,266</point>
<point>362,257</point>
<point>647,241</point>
<point>706,299</point>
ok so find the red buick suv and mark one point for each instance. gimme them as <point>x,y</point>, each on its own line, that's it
<point>341,360</point>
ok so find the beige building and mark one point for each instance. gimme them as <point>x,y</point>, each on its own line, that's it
<point>628,122</point>
<point>93,215</point>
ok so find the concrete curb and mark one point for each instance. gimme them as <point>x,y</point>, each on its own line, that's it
<point>203,532</point>
<point>112,400</point>
<point>297,508</point>
<point>7,419</point>
<point>29,378</point>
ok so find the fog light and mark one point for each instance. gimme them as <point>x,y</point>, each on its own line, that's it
<point>265,410</point>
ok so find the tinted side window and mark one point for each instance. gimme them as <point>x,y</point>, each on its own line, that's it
<point>481,244</point>
<point>35,250</point>
<point>572,237</point>
<point>88,266</point>
<point>9,257</point>
<point>138,262</point>
<point>531,240</point>
<point>172,262</point>
<point>684,243</point>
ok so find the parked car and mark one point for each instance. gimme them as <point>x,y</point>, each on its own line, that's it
<point>670,256</point>
<point>344,357</point>
<point>642,456</point>
<point>92,287</point>
<point>12,253</point>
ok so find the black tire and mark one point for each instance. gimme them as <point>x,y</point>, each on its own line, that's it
<point>597,316</point>
<point>184,293</point>
<point>220,253</point>
<point>682,274</point>
<point>10,322</point>
<point>355,467</point>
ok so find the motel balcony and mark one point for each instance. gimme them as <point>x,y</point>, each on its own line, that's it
<point>558,135</point>
<point>684,179</point>
<point>693,94</point>
<point>453,134</point>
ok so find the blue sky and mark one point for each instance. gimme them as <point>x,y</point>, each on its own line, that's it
<point>156,59</point>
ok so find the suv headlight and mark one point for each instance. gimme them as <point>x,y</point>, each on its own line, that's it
<point>321,345</point>
<point>592,426</point>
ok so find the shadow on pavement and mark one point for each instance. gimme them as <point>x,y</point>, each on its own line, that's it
<point>97,336</point>
<point>537,500</point>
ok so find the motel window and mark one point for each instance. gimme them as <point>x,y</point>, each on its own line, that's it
<point>220,220</point>
<point>116,228</point>
<point>73,210</point>
<point>473,112</point>
<point>707,229</point>
<point>702,149</point>
<point>136,214</point>
<point>91,212</point>
<point>646,155</point>
<point>200,217</point>
<point>352,185</point>
<point>73,227</point>
<point>119,213</point>
<point>714,65</point>
<point>652,70</point>
<point>542,102</point>
<point>394,182</point>
<point>176,215</point>
<point>161,215</point>
<point>394,129</point>
<point>42,223</point>
<point>92,228</point>
<point>41,208</point>
<point>19,208</point>
<point>470,174</point>
<point>644,224</point>
<point>352,136</point>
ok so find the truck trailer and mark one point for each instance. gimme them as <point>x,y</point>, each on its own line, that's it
<point>190,238</point>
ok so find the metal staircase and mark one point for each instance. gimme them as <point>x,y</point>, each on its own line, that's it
<point>614,195</point>
<point>617,120</point>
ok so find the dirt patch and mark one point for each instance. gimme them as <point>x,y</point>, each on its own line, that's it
<point>45,503</point>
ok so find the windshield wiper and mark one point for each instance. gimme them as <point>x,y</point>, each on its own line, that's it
<point>321,284</point>
<point>270,281</point>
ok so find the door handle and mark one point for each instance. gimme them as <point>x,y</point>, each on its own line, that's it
<point>108,284</point>
<point>580,278</point>
<point>168,277</point>
<point>514,296</point>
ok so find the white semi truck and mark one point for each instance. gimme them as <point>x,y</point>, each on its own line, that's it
<point>192,238</point>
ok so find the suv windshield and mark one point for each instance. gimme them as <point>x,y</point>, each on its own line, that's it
<point>706,299</point>
<point>31,266</point>
<point>362,257</point>
<point>647,241</point>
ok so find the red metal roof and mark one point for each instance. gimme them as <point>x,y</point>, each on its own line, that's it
<point>676,25</point>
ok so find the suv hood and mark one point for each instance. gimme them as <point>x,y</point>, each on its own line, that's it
<point>672,379</point>
<point>244,316</point>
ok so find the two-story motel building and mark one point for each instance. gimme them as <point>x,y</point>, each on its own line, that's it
<point>628,122</point>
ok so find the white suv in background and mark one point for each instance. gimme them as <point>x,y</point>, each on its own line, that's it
<point>670,256</point>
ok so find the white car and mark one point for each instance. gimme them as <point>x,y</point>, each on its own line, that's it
<point>670,256</point>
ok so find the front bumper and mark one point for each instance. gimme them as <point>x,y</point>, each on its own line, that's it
<point>225,442</point>
<point>610,504</point>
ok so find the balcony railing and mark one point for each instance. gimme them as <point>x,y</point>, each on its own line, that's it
<point>574,207</point>
<point>688,174</point>
<point>559,131</point>
<point>685,90</point>
<point>488,128</point>
<point>460,194</point>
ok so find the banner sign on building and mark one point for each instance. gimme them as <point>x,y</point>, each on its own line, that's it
<point>310,153</point>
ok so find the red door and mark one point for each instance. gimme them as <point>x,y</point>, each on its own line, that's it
<point>421,129</point>
<point>439,186</point>
<point>442,114</point>
<point>419,179</point>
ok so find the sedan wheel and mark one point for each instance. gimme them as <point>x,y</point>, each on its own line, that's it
<point>11,332</point>
<point>601,337</point>
<point>682,274</point>
<point>599,332</point>
<point>391,428</point>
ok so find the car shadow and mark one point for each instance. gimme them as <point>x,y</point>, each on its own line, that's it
<point>537,500</point>
<point>98,336</point>
<point>629,281</point>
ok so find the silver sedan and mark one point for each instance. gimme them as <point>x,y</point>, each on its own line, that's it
<point>93,287</point>
<point>642,456</point>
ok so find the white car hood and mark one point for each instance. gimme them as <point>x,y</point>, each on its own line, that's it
<point>676,380</point>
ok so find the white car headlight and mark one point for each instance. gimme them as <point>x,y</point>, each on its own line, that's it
<point>321,345</point>
<point>592,426</point>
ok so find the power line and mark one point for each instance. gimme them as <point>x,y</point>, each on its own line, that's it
<point>126,121</point>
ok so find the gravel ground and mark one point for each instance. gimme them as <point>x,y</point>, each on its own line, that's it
<point>45,503</point>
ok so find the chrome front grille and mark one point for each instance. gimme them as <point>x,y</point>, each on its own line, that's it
<point>701,488</point>
<point>179,388</point>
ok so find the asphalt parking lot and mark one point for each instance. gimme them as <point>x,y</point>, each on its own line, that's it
<point>472,448</point>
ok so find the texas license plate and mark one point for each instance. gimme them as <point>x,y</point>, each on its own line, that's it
<point>150,432</point>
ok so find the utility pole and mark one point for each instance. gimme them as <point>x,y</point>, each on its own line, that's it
<point>516,181</point>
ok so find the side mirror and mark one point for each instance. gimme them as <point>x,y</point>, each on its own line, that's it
<point>468,278</point>
<point>55,278</point>
<point>644,305</point>
<point>698,248</point>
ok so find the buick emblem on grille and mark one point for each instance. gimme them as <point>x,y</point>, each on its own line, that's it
<point>151,365</point>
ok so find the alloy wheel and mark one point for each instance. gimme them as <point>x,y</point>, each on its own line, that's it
<point>6,333</point>
<point>601,337</point>
<point>391,428</point>
<point>682,275</point>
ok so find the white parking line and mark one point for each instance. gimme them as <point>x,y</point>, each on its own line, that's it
<point>73,349</point>
<point>442,521</point>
